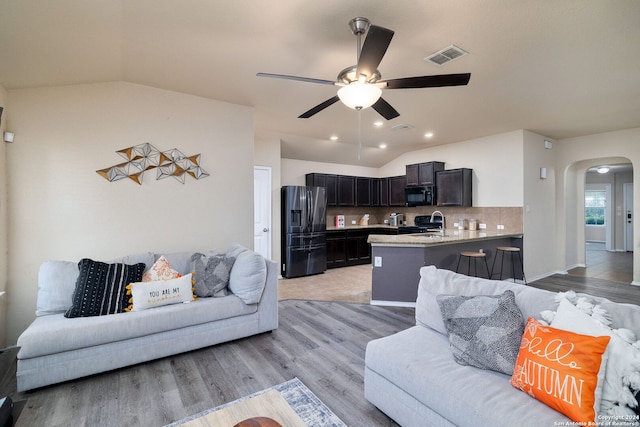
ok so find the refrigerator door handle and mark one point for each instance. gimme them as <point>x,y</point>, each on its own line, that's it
<point>309,210</point>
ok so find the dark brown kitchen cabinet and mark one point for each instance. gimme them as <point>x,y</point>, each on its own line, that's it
<point>454,187</point>
<point>380,191</point>
<point>396,190</point>
<point>346,190</point>
<point>330,182</point>
<point>423,173</point>
<point>336,249</point>
<point>358,250</point>
<point>363,191</point>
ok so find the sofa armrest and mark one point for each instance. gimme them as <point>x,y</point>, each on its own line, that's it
<point>268,305</point>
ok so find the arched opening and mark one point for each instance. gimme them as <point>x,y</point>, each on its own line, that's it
<point>603,220</point>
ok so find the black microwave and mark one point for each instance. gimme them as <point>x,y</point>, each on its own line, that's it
<point>419,196</point>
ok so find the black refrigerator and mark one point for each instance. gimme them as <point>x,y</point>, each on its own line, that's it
<point>304,226</point>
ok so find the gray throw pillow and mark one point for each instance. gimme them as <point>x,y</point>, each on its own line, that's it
<point>484,331</point>
<point>211,274</point>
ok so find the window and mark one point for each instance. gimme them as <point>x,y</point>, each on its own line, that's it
<point>594,205</point>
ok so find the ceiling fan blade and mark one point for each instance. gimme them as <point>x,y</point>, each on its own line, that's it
<point>428,81</point>
<point>373,49</point>
<point>385,109</point>
<point>319,107</point>
<point>300,79</point>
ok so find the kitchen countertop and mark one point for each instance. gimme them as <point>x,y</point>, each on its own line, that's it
<point>360,227</point>
<point>451,236</point>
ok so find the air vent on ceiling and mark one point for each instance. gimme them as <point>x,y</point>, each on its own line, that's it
<point>447,54</point>
<point>401,126</point>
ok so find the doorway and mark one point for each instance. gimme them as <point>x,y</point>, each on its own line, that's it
<point>608,193</point>
<point>262,210</point>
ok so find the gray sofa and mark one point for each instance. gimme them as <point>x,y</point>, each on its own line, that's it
<point>54,348</point>
<point>413,377</point>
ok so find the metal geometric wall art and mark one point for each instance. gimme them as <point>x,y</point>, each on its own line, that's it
<point>144,157</point>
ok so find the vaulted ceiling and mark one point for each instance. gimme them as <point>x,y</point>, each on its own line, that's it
<point>560,68</point>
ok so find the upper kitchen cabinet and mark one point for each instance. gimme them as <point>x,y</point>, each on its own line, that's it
<point>423,173</point>
<point>363,191</point>
<point>346,190</point>
<point>454,187</point>
<point>396,190</point>
<point>330,182</point>
<point>380,191</point>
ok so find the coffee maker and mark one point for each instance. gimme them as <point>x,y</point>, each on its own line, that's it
<point>396,219</point>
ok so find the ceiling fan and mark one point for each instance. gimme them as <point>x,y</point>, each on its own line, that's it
<point>361,84</point>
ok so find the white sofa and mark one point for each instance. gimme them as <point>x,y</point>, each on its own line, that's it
<point>412,375</point>
<point>54,348</point>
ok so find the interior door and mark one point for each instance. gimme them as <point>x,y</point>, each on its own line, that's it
<point>628,216</point>
<point>262,210</point>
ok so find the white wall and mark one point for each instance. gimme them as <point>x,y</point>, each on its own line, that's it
<point>294,171</point>
<point>60,208</point>
<point>539,222</point>
<point>575,156</point>
<point>496,162</point>
<point>3,218</point>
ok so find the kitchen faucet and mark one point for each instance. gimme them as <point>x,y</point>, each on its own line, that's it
<point>441,216</point>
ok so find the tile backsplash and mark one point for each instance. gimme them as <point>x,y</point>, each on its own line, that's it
<point>510,217</point>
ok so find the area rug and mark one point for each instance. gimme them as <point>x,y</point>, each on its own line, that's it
<point>306,404</point>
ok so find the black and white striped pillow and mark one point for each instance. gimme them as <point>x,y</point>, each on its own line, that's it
<point>101,287</point>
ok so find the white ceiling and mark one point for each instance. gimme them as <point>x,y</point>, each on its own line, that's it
<point>560,68</point>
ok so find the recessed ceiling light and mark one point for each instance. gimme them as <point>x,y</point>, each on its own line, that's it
<point>333,138</point>
<point>603,169</point>
<point>428,135</point>
<point>378,123</point>
<point>383,145</point>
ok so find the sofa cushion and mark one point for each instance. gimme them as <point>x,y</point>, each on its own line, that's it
<point>418,361</point>
<point>55,334</point>
<point>160,270</point>
<point>484,331</point>
<point>560,368</point>
<point>101,287</point>
<point>145,295</point>
<point>57,281</point>
<point>623,359</point>
<point>434,282</point>
<point>248,275</point>
<point>211,274</point>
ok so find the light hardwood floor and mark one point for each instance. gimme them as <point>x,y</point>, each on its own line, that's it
<point>601,264</point>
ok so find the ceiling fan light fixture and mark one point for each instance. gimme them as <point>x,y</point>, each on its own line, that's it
<point>359,95</point>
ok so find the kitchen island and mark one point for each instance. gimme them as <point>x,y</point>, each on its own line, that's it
<point>397,259</point>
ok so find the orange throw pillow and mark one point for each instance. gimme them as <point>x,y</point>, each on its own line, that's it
<point>560,368</point>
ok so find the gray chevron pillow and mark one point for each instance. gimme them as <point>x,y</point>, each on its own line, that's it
<point>484,331</point>
<point>211,274</point>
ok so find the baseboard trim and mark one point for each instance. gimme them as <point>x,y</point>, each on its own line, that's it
<point>394,303</point>
<point>635,283</point>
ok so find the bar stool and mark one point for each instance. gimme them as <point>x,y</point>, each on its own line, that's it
<point>501,250</point>
<point>475,256</point>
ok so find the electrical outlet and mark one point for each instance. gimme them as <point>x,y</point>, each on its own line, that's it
<point>482,226</point>
<point>386,221</point>
<point>377,261</point>
<point>500,227</point>
<point>353,222</point>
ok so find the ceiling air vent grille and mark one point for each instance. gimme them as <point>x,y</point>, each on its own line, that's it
<point>402,126</point>
<point>447,54</point>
